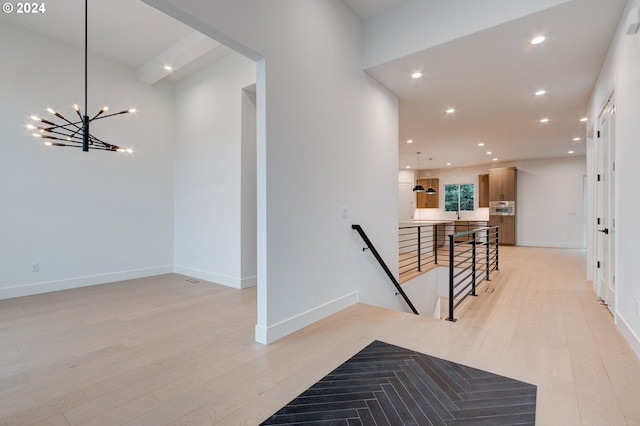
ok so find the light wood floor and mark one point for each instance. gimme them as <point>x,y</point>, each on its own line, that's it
<point>163,350</point>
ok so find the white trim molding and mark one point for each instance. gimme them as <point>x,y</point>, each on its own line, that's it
<point>270,334</point>
<point>67,284</point>
<point>632,339</point>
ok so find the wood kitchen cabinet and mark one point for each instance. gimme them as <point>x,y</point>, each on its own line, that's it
<point>483,190</point>
<point>506,229</point>
<point>428,201</point>
<point>502,184</point>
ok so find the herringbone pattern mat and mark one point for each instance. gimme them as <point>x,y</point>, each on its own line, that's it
<point>388,385</point>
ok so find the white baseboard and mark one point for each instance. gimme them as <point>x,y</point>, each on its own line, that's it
<point>269,334</point>
<point>632,339</point>
<point>550,245</point>
<point>238,283</point>
<point>49,286</point>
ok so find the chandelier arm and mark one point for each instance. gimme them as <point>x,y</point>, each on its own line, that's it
<point>61,126</point>
<point>58,133</point>
<point>110,115</point>
<point>97,115</point>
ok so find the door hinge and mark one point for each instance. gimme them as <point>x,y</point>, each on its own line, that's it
<point>598,264</point>
<point>598,133</point>
<point>598,221</point>
<point>598,177</point>
<point>614,166</point>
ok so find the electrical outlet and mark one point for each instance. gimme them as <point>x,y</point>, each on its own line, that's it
<point>35,267</point>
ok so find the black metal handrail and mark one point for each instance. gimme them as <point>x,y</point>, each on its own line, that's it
<point>384,266</point>
<point>471,260</point>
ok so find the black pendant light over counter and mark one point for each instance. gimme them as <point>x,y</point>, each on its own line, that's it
<point>430,190</point>
<point>75,133</point>
<point>418,187</point>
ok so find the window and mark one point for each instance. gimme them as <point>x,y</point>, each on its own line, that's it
<point>458,197</point>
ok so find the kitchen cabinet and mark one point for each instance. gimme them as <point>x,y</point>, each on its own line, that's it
<point>506,229</point>
<point>502,184</point>
<point>428,201</point>
<point>483,190</point>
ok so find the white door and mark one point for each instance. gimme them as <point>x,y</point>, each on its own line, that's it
<point>605,221</point>
<point>406,202</point>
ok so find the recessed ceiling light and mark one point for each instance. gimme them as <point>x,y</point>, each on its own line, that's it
<point>570,152</point>
<point>168,68</point>
<point>583,119</point>
<point>448,164</point>
<point>481,144</point>
<point>495,159</point>
<point>544,120</point>
<point>576,139</point>
<point>451,111</point>
<point>416,75</point>
<point>538,40</point>
<point>540,92</point>
<point>489,152</point>
<point>408,167</point>
<point>409,140</point>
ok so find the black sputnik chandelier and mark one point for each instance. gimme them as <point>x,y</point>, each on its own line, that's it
<point>66,132</point>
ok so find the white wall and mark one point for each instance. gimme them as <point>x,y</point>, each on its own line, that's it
<point>406,197</point>
<point>621,72</point>
<point>209,174</point>
<point>549,206</point>
<point>327,139</point>
<point>85,218</point>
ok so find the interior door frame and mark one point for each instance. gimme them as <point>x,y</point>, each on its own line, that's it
<point>605,198</point>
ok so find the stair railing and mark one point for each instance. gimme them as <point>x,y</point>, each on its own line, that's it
<point>384,266</point>
<point>471,259</point>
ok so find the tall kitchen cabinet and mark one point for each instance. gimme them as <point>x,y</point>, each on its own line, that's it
<point>502,187</point>
<point>502,184</point>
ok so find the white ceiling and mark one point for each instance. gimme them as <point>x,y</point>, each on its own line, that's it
<point>367,9</point>
<point>489,76</point>
<point>131,33</point>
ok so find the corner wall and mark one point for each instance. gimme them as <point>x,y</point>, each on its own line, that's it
<point>84,218</point>
<point>213,173</point>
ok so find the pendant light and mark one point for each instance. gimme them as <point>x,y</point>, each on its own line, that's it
<point>430,190</point>
<point>418,187</point>
<point>75,133</point>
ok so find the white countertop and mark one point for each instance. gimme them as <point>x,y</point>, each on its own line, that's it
<point>426,222</point>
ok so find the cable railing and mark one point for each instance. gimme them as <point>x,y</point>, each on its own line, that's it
<point>422,247</point>
<point>419,246</point>
<point>473,255</point>
<point>470,256</point>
